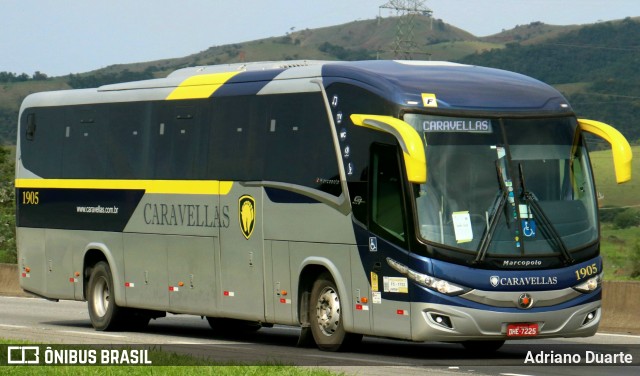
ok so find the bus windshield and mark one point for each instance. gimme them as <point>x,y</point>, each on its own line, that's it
<point>505,187</point>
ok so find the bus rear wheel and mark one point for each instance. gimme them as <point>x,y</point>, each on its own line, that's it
<point>325,312</point>
<point>105,314</point>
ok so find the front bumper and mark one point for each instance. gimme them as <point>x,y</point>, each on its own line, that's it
<point>465,323</point>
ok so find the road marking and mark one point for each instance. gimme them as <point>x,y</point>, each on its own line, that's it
<point>514,374</point>
<point>617,335</point>
<point>93,334</point>
<point>357,359</point>
<point>186,343</point>
<point>12,326</point>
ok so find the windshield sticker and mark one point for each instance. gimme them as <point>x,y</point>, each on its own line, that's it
<point>525,212</point>
<point>458,126</point>
<point>462,226</point>
<point>374,281</point>
<point>429,100</point>
<point>500,150</point>
<point>376,297</point>
<point>396,284</point>
<point>529,228</point>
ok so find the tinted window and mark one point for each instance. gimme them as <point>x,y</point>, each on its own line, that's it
<point>299,143</point>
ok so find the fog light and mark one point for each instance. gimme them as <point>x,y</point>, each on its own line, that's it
<point>590,317</point>
<point>441,320</point>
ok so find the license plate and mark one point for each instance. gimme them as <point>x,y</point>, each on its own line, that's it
<point>522,330</point>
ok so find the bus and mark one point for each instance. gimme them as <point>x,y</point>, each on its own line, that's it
<point>422,201</point>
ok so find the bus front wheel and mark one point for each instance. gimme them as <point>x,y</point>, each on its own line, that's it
<point>103,310</point>
<point>325,312</point>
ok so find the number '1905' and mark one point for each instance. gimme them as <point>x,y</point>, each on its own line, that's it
<point>587,271</point>
<point>30,198</point>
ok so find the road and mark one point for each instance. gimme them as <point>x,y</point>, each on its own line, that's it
<point>68,322</point>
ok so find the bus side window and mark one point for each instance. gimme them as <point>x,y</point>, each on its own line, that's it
<point>387,213</point>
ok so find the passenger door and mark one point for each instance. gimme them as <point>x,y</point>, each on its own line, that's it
<point>390,303</point>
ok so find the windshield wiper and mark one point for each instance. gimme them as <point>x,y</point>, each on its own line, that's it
<point>498,206</point>
<point>547,227</point>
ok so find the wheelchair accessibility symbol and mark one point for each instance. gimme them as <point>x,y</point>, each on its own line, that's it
<point>373,244</point>
<point>529,228</point>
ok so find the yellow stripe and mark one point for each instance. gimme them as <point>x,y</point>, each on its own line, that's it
<point>185,187</point>
<point>202,86</point>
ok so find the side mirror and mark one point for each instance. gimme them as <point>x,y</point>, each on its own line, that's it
<point>620,148</point>
<point>412,145</point>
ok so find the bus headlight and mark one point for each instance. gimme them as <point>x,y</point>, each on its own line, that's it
<point>439,285</point>
<point>589,285</point>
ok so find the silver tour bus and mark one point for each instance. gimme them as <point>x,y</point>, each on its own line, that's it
<point>423,201</point>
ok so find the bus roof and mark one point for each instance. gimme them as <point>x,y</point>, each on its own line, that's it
<point>455,86</point>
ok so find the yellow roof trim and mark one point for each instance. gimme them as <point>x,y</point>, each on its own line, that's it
<point>201,86</point>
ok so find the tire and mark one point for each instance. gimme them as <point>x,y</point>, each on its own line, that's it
<point>325,316</point>
<point>483,347</point>
<point>104,312</point>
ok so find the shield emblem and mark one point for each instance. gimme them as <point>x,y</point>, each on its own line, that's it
<point>247,215</point>
<point>495,280</point>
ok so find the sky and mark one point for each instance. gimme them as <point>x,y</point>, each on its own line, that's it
<point>58,37</point>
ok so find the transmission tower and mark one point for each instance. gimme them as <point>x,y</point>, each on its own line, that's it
<point>404,46</point>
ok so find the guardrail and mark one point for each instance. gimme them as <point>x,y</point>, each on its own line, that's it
<point>620,300</point>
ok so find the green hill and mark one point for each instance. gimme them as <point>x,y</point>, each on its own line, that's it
<point>593,65</point>
<point>601,59</point>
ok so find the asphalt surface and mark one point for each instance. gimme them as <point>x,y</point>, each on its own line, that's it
<point>68,322</point>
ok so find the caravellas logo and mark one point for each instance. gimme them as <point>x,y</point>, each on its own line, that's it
<point>247,215</point>
<point>521,281</point>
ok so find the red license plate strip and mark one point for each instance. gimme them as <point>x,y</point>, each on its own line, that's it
<point>522,330</point>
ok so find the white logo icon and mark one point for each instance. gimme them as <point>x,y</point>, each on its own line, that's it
<point>23,355</point>
<point>495,280</point>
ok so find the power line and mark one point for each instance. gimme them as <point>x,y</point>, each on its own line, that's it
<point>632,49</point>
<point>404,45</point>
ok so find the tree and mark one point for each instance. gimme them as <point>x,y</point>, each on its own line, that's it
<point>7,208</point>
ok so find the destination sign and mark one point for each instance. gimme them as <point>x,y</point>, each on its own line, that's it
<point>458,125</point>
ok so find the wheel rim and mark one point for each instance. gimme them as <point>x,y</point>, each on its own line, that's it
<point>328,311</point>
<point>101,297</point>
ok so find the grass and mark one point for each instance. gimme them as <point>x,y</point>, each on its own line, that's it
<point>611,193</point>
<point>456,50</point>
<point>620,249</point>
<point>178,362</point>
